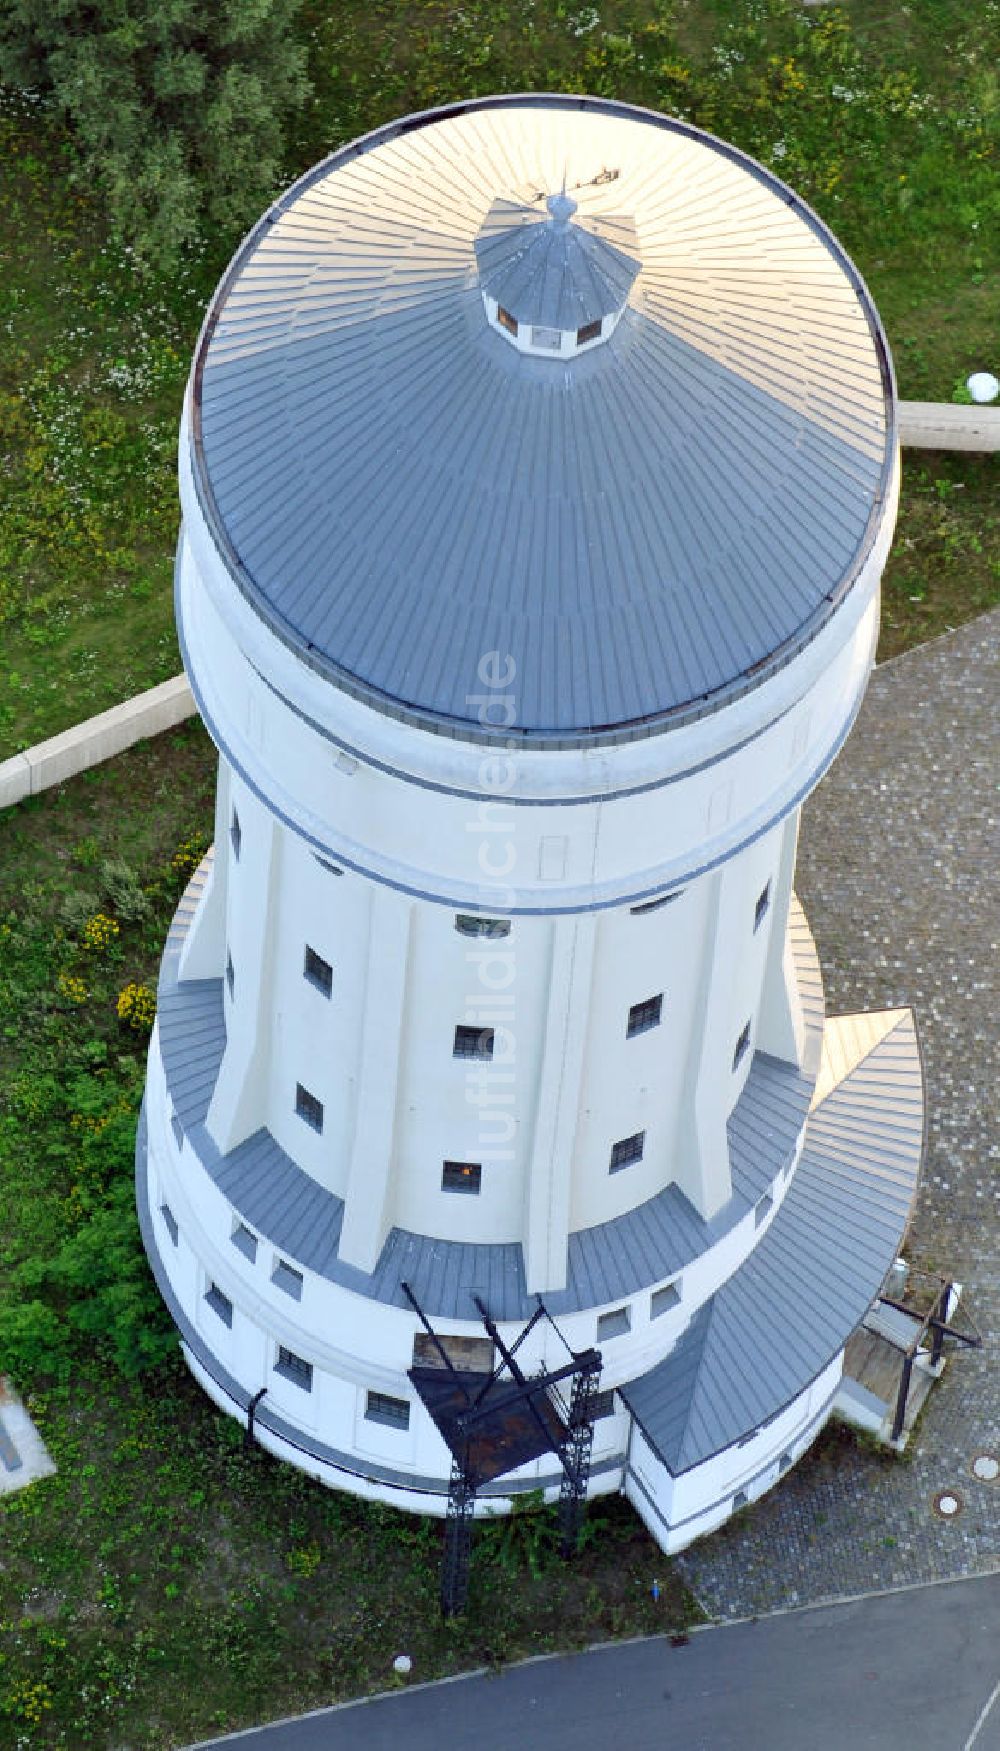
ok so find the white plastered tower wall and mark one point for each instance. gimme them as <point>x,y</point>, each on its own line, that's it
<point>353,840</point>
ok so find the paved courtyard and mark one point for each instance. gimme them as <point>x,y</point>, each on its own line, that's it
<point>898,872</point>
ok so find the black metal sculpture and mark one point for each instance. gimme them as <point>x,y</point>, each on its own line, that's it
<point>498,1419</point>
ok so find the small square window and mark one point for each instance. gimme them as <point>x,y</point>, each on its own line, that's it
<point>393,1412</point>
<point>286,1277</point>
<point>740,1500</point>
<point>220,1304</point>
<point>506,320</point>
<point>230,974</point>
<point>294,1368</point>
<point>169,1222</point>
<point>663,1300</point>
<point>467,924</point>
<point>462,1176</point>
<point>614,1324</point>
<point>549,339</point>
<point>318,971</point>
<point>473,1042</point>
<point>763,902</point>
<point>643,1016</point>
<point>627,1151</point>
<point>742,1047</point>
<point>236,835</point>
<point>308,1107</point>
<point>602,1405</point>
<point>784,1462</point>
<point>245,1241</point>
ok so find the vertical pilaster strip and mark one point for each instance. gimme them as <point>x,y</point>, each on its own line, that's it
<point>239,1104</point>
<point>558,1102</point>
<point>367,1206</point>
<point>204,953</point>
<point>781,1027</point>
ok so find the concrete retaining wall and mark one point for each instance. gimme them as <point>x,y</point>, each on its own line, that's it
<point>943,425</point>
<point>97,739</point>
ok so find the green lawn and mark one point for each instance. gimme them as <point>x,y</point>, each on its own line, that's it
<point>886,117</point>
<point>166,1584</point>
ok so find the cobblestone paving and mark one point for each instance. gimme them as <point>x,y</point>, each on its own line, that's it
<point>899,872</point>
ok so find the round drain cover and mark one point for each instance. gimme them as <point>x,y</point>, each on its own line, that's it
<point>986,1466</point>
<point>947,1503</point>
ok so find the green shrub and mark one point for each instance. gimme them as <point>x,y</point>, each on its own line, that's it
<point>177,106</point>
<point>123,890</point>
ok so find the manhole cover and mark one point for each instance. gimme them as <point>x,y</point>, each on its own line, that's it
<point>986,1466</point>
<point>947,1503</point>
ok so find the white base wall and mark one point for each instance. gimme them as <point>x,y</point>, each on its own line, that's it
<point>676,1510</point>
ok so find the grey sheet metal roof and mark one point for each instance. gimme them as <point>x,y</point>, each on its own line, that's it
<point>551,266</point>
<point>280,1201</point>
<point>648,529</point>
<point>266,1417</point>
<point>785,1314</point>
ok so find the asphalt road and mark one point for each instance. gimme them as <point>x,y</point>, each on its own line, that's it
<point>919,1670</point>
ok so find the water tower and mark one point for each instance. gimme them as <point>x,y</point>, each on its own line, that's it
<point>538,469</point>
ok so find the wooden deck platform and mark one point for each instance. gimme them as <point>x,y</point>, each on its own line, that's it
<point>877,1365</point>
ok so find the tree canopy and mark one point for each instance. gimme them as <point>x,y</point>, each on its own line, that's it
<point>177,106</point>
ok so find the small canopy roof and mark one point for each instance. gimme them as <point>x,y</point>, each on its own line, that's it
<point>548,266</point>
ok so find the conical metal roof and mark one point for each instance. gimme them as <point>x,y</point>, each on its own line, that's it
<point>646,530</point>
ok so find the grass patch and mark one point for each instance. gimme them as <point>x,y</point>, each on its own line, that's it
<point>886,118</point>
<point>944,567</point>
<point>165,1584</point>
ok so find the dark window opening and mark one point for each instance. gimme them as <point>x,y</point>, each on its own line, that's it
<point>473,1042</point>
<point>602,1405</point>
<point>763,902</point>
<point>245,1241</point>
<point>236,835</point>
<point>318,971</point>
<point>742,1047</point>
<point>653,905</point>
<point>589,331</point>
<point>643,1016</point>
<point>462,1176</point>
<point>286,1277</point>
<point>294,1368</point>
<point>230,974</point>
<point>169,1222</point>
<point>627,1151</point>
<point>614,1324</point>
<point>380,1407</point>
<point>220,1304</point>
<point>506,320</point>
<point>468,925</point>
<point>308,1107</point>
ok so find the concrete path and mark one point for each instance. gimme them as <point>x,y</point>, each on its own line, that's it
<point>918,1669</point>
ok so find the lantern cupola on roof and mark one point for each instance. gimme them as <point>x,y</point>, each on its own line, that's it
<point>555,281</point>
